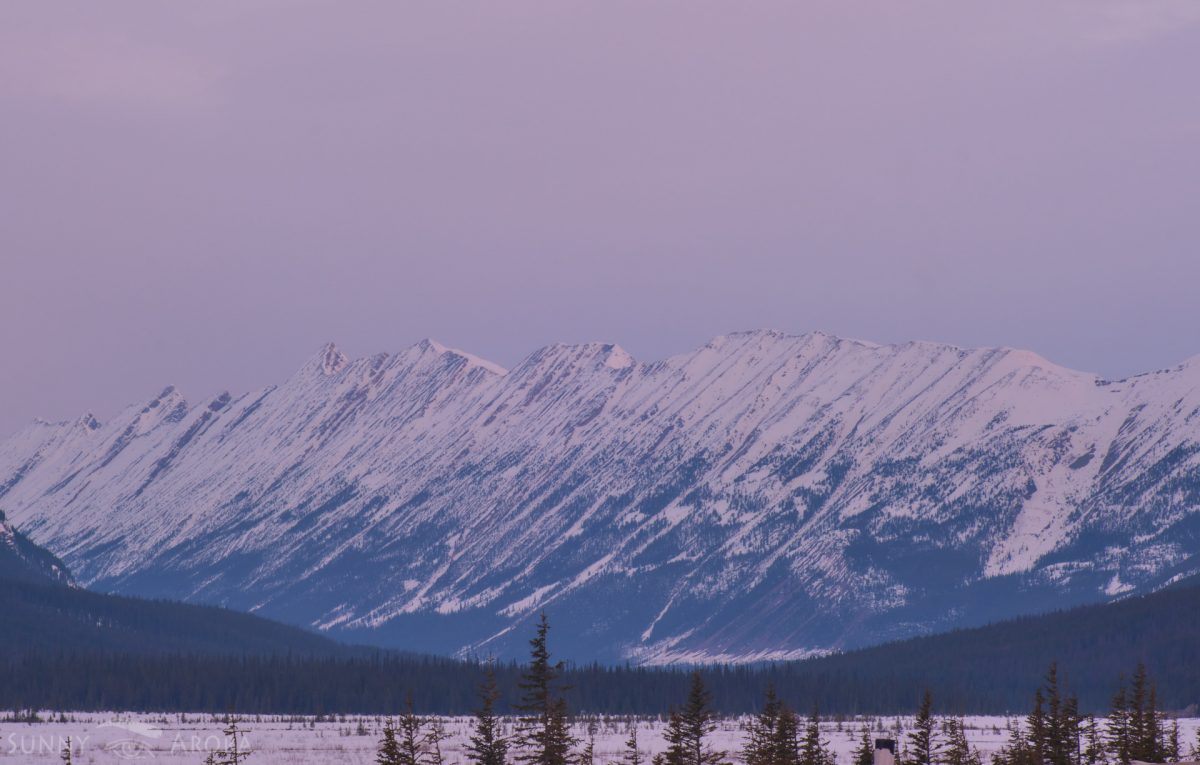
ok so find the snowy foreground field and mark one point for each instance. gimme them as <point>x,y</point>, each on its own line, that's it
<point>117,738</point>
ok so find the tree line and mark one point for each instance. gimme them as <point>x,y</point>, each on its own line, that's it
<point>1054,732</point>
<point>228,665</point>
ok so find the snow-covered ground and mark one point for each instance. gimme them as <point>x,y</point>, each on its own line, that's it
<point>116,738</point>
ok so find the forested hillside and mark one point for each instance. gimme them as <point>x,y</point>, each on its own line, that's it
<point>48,618</point>
<point>22,560</point>
<point>990,669</point>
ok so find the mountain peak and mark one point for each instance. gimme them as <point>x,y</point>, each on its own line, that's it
<point>330,360</point>
<point>617,357</point>
<point>88,421</point>
<point>594,355</point>
<point>429,345</point>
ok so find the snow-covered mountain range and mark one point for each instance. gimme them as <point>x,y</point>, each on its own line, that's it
<point>767,495</point>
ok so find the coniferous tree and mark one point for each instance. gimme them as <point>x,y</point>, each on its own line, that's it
<point>632,754</point>
<point>772,738</point>
<point>1037,728</point>
<point>787,737</point>
<point>673,736</point>
<point>957,750</point>
<point>1173,750</point>
<point>1054,742</point>
<point>1117,729</point>
<point>1154,740</point>
<point>1136,729</point>
<point>1093,752</point>
<point>433,741</point>
<point>545,733</point>
<point>67,756</point>
<point>688,729</point>
<point>1072,729</point>
<point>412,736</point>
<point>813,749</point>
<point>1017,750</point>
<point>923,744</point>
<point>487,744</point>
<point>1054,730</point>
<point>864,753</point>
<point>559,740</point>
<point>1140,724</point>
<point>389,748</point>
<point>587,755</point>
<point>1150,746</point>
<point>1061,726</point>
<point>761,734</point>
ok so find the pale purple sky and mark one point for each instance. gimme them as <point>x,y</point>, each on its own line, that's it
<point>203,193</point>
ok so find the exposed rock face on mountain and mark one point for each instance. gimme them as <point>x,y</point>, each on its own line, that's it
<point>765,495</point>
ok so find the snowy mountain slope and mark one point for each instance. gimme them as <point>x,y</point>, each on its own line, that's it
<point>765,495</point>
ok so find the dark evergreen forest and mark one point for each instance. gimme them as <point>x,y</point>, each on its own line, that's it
<point>70,649</point>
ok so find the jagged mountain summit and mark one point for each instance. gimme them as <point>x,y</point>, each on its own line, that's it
<point>767,495</point>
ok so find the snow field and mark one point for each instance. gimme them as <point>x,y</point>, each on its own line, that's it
<point>107,739</point>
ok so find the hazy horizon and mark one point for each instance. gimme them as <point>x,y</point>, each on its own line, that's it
<point>203,195</point>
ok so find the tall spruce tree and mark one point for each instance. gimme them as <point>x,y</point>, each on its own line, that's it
<point>1055,731</point>
<point>433,741</point>
<point>814,750</point>
<point>1017,750</point>
<point>587,755</point>
<point>1054,744</point>
<point>1136,727</point>
<point>957,750</point>
<point>787,737</point>
<point>389,749</point>
<point>922,741</point>
<point>673,737</point>
<point>1143,722</point>
<point>1093,752</point>
<point>864,753</point>
<point>632,754</point>
<point>1117,728</point>
<point>688,729</point>
<point>1153,741</point>
<point>1037,727</point>
<point>1072,728</point>
<point>412,736</point>
<point>545,732</point>
<point>1173,751</point>
<point>487,744</point>
<point>760,733</point>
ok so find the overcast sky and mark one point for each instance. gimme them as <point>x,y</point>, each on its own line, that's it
<point>204,193</point>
